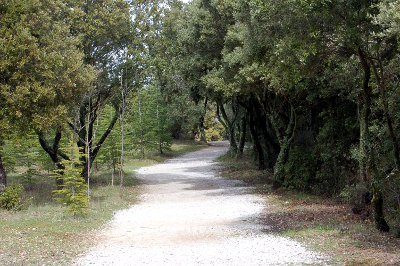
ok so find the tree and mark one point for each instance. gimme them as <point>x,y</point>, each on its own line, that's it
<point>42,71</point>
<point>73,191</point>
<point>299,71</point>
<point>104,28</point>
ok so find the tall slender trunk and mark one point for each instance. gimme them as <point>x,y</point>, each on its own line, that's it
<point>112,154</point>
<point>112,176</point>
<point>201,124</point>
<point>121,174</point>
<point>3,175</point>
<point>381,81</point>
<point>88,151</point>
<point>368,168</point>
<point>121,120</point>
<point>283,156</point>
<point>141,127</point>
<point>159,129</point>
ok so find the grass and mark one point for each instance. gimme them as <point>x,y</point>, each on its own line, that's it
<point>323,224</point>
<point>44,234</point>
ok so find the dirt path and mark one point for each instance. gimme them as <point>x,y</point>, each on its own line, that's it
<point>189,216</point>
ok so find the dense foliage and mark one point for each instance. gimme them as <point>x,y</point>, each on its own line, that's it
<point>93,70</point>
<point>11,198</point>
<point>312,88</point>
<point>313,85</point>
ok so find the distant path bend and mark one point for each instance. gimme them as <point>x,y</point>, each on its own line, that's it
<point>190,216</point>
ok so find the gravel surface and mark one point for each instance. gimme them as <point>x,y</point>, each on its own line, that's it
<point>188,215</point>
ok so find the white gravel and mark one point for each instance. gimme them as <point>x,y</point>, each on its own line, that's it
<point>189,216</point>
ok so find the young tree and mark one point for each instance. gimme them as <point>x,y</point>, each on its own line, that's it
<point>73,191</point>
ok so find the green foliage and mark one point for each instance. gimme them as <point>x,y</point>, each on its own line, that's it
<point>110,153</point>
<point>24,155</point>
<point>73,191</point>
<point>300,169</point>
<point>11,198</point>
<point>214,130</point>
<point>41,67</point>
<point>149,126</point>
<point>315,81</point>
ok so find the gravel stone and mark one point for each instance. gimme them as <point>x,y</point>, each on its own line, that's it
<point>188,215</point>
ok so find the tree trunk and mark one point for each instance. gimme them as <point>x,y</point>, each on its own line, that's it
<point>201,124</point>
<point>233,147</point>
<point>141,126</point>
<point>97,147</point>
<point>381,81</point>
<point>230,126</point>
<point>242,140</point>
<point>122,121</point>
<point>257,143</point>
<point>121,174</point>
<point>272,148</point>
<point>159,129</point>
<point>368,168</point>
<point>54,153</point>
<point>112,176</point>
<point>283,156</point>
<point>3,176</point>
<point>377,206</point>
<point>89,143</point>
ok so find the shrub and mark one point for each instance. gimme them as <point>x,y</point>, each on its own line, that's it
<point>11,198</point>
<point>300,169</point>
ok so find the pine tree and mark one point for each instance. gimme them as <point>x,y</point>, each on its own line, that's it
<point>73,191</point>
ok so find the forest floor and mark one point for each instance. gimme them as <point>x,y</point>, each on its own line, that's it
<point>44,234</point>
<point>188,215</point>
<point>325,225</point>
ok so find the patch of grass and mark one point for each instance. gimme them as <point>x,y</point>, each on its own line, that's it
<point>44,234</point>
<point>323,224</point>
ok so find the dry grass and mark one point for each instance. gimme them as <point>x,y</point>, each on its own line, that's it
<point>323,224</point>
<point>46,235</point>
<point>43,234</point>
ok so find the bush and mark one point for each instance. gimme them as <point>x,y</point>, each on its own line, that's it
<point>11,198</point>
<point>300,169</point>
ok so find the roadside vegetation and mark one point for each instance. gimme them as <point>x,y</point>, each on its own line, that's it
<point>326,225</point>
<point>313,87</point>
<point>43,233</point>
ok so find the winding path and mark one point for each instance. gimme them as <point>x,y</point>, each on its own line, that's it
<point>188,215</point>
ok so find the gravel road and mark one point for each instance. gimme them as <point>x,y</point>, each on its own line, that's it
<point>188,215</point>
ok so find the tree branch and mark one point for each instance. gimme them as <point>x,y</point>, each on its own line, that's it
<point>104,136</point>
